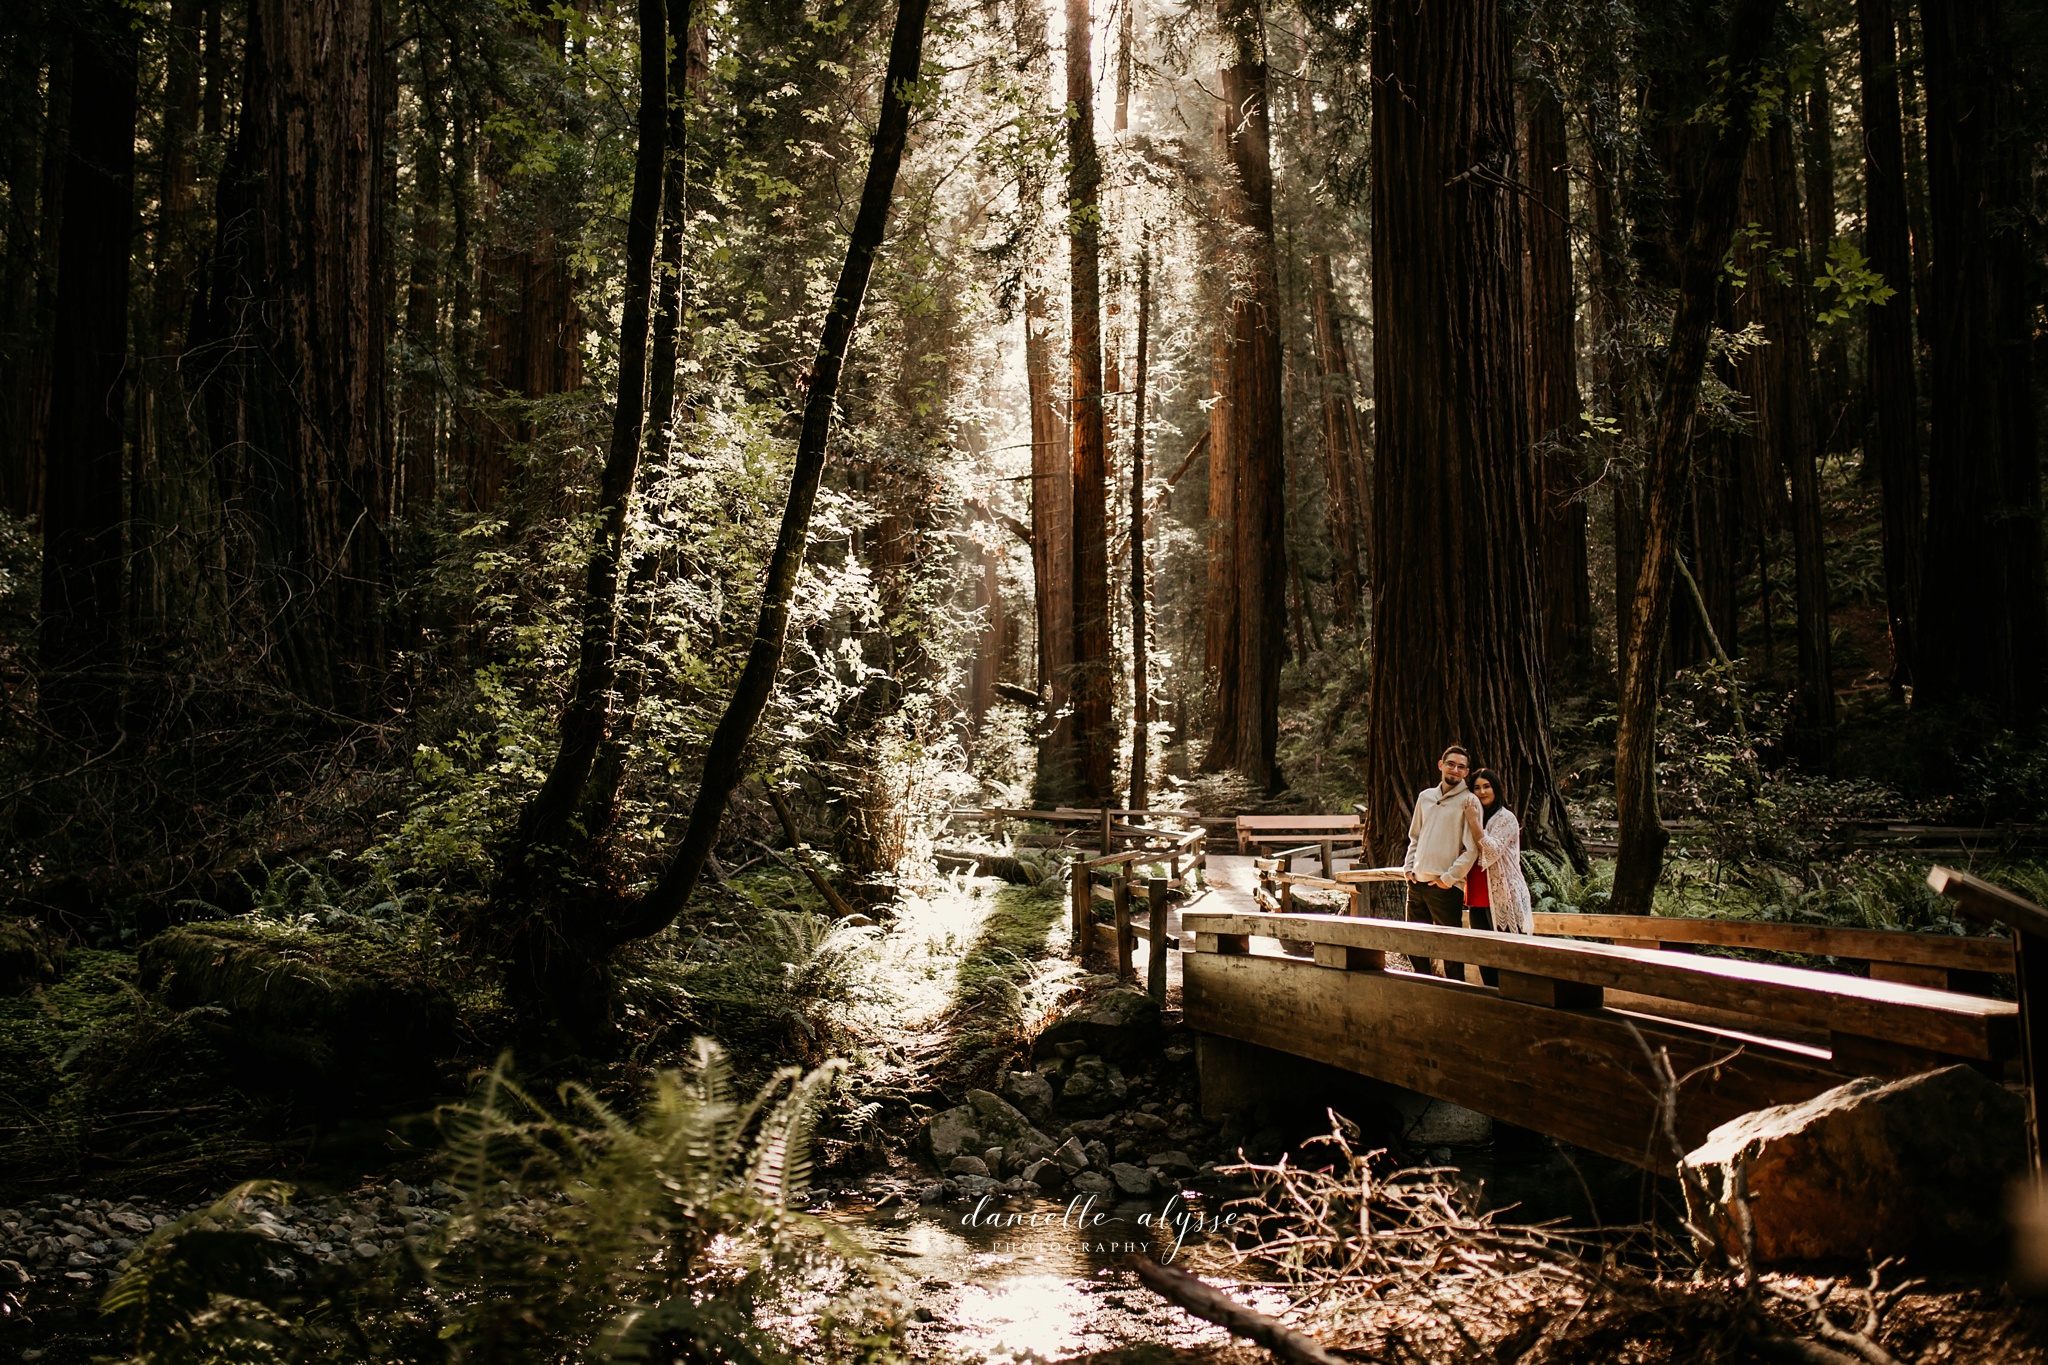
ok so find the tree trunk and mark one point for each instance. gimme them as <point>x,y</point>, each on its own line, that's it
<point>988,646</point>
<point>296,358</point>
<point>1052,551</point>
<point>1779,379</point>
<point>1641,834</point>
<point>1141,642</point>
<point>687,71</point>
<point>80,644</point>
<point>1983,620</point>
<point>546,819</point>
<point>1343,455</point>
<point>177,173</point>
<point>22,127</point>
<point>1893,434</point>
<point>723,763</point>
<point>1564,586</point>
<point>1094,673</point>
<point>1831,357</point>
<point>1458,652</point>
<point>214,70</point>
<point>1248,684</point>
<point>419,427</point>
<point>38,218</point>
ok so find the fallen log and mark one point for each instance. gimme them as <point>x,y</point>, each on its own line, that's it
<point>1213,1305</point>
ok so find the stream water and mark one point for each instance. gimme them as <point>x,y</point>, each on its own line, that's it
<point>1009,1282</point>
<point>1040,1279</point>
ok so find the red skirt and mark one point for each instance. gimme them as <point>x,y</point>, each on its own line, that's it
<point>1476,892</point>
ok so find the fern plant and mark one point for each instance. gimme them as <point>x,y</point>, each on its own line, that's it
<point>581,1233</point>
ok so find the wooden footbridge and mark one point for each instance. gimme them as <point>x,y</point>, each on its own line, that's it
<point>1568,1041</point>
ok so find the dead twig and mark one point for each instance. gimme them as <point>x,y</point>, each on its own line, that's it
<point>1213,1305</point>
<point>803,857</point>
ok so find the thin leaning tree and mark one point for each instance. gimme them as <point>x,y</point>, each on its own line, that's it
<point>562,956</point>
<point>1668,464</point>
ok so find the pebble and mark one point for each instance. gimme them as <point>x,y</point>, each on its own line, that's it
<point>89,1241</point>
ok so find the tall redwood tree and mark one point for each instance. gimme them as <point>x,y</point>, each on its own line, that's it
<point>1564,585</point>
<point>1094,672</point>
<point>296,345</point>
<point>1255,644</point>
<point>1458,653</point>
<point>1983,637</point>
<point>1892,436</point>
<point>82,512</point>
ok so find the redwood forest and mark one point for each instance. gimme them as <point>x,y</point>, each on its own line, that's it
<point>1023,680</point>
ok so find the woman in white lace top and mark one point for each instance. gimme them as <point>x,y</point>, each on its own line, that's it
<point>1499,836</point>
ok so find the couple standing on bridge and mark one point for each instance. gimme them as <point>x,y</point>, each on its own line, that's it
<point>1465,853</point>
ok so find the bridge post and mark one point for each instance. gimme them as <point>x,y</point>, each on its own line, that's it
<point>1083,913</point>
<point>1120,907</point>
<point>1155,956</point>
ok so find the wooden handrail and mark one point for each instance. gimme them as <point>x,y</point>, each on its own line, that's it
<point>1818,940</point>
<point>1936,1021</point>
<point>1979,898</point>
<point>1135,855</point>
<point>1373,874</point>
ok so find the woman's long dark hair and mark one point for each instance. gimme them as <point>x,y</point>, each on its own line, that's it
<point>1500,792</point>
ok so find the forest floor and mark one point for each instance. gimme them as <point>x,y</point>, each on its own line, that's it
<point>961,983</point>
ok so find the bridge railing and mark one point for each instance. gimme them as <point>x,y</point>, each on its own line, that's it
<point>1938,961</point>
<point>1557,1046</point>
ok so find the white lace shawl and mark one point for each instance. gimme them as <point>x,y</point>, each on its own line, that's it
<point>1500,853</point>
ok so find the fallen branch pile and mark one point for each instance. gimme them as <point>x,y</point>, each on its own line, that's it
<point>1396,1264</point>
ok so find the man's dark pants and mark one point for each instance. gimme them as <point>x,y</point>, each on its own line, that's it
<point>1429,903</point>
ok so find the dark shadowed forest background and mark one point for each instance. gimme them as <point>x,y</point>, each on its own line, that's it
<point>402,403</point>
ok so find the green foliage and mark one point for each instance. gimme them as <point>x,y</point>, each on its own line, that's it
<point>100,1078</point>
<point>1847,283</point>
<point>1004,988</point>
<point>1556,887</point>
<point>581,1233</point>
<point>783,984</point>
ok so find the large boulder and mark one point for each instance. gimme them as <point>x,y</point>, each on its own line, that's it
<point>952,1132</point>
<point>1873,1168</point>
<point>1001,1122</point>
<point>333,1017</point>
<point>1115,1024</point>
<point>1032,1093</point>
<point>1094,1086</point>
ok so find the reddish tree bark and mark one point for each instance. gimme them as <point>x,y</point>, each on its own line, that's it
<point>1094,675</point>
<point>1458,650</point>
<point>296,360</point>
<point>1564,587</point>
<point>1248,682</point>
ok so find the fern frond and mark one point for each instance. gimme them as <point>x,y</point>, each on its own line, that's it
<point>175,1277</point>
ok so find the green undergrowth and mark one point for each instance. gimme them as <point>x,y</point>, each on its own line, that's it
<point>1006,984</point>
<point>102,1080</point>
<point>671,1230</point>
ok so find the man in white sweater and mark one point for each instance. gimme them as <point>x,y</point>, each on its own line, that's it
<point>1441,853</point>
